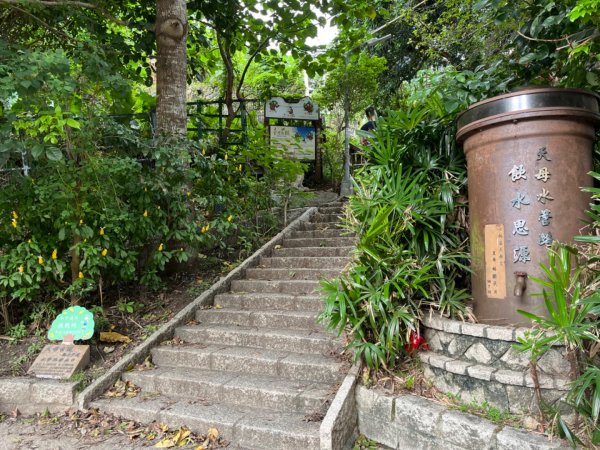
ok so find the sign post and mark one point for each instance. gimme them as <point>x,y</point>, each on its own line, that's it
<point>298,141</point>
<point>61,361</point>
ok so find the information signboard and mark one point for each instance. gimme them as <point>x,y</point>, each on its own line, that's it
<point>304,109</point>
<point>298,142</point>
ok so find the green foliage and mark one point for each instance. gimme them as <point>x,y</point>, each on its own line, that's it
<point>411,239</point>
<point>360,78</point>
<point>553,43</point>
<point>364,443</point>
<point>129,307</point>
<point>483,409</point>
<point>106,203</point>
<point>572,319</point>
<point>594,212</point>
<point>18,331</point>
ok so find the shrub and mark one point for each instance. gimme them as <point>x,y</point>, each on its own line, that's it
<point>408,214</point>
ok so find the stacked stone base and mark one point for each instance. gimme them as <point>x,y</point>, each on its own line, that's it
<point>477,363</point>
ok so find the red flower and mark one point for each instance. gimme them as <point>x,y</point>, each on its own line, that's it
<point>415,342</point>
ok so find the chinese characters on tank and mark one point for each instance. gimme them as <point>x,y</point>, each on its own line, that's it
<point>521,252</point>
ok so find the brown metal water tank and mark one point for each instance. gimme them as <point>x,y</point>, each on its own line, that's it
<point>528,156</point>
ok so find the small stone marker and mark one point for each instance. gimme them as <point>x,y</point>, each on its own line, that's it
<point>61,361</point>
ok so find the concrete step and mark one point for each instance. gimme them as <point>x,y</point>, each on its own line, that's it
<point>290,274</point>
<point>320,242</point>
<point>247,427</point>
<point>328,217</point>
<point>332,209</point>
<point>313,251</point>
<point>291,340</point>
<point>293,287</point>
<point>259,361</point>
<point>332,262</point>
<point>233,388</point>
<point>272,301</point>
<point>308,226</point>
<point>260,318</point>
<point>309,234</point>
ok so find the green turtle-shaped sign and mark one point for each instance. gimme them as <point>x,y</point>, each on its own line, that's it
<point>75,322</point>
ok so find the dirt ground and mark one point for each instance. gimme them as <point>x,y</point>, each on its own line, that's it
<point>132,313</point>
<point>75,430</point>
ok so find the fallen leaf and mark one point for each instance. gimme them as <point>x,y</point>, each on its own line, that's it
<point>165,443</point>
<point>179,438</point>
<point>212,434</point>
<point>218,306</point>
<point>113,336</point>
<point>108,349</point>
<point>163,427</point>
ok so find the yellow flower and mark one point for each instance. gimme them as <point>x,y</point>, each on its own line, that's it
<point>203,230</point>
<point>240,167</point>
<point>203,152</point>
<point>181,249</point>
<point>189,193</point>
<point>15,215</point>
<point>54,254</point>
<point>230,218</point>
<point>160,248</point>
<point>101,231</point>
<point>104,252</point>
<point>80,221</point>
<point>13,223</point>
<point>145,213</point>
<point>207,226</point>
<point>21,268</point>
<point>40,260</point>
<point>158,207</point>
<point>80,275</point>
<point>226,156</point>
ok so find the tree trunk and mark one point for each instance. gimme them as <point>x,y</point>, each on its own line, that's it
<point>171,65</point>
<point>229,80</point>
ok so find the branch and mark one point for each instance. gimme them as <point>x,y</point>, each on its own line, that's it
<point>70,3</point>
<point>529,38</point>
<point>590,38</point>
<point>246,67</point>
<point>45,24</point>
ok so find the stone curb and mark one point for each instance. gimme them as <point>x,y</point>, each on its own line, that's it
<point>415,423</point>
<point>31,395</point>
<point>166,331</point>
<point>488,373</point>
<point>339,425</point>
<point>492,332</point>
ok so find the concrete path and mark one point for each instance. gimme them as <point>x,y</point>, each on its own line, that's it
<point>256,366</point>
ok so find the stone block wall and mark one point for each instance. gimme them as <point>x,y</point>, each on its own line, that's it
<point>478,362</point>
<point>407,422</point>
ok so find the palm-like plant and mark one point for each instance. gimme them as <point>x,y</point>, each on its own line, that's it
<point>411,247</point>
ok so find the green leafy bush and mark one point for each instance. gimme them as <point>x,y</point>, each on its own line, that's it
<point>105,202</point>
<point>408,214</point>
<point>570,289</point>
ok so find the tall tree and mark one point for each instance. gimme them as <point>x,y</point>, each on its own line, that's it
<point>171,65</point>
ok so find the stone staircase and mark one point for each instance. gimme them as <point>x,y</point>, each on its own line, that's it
<point>256,366</point>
